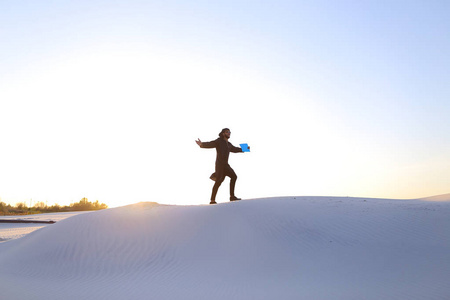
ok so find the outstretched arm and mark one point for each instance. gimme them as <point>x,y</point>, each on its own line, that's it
<point>235,149</point>
<point>211,144</point>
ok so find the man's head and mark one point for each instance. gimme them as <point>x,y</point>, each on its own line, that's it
<point>225,133</point>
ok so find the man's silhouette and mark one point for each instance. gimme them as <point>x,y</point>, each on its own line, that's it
<point>223,148</point>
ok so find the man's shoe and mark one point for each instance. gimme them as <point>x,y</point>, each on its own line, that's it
<point>234,198</point>
<point>213,202</point>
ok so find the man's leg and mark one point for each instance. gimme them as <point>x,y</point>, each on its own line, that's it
<point>230,173</point>
<point>220,176</point>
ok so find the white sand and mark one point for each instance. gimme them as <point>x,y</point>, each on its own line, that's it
<point>277,248</point>
<point>10,231</point>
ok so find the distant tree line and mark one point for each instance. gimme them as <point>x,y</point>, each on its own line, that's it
<point>40,207</point>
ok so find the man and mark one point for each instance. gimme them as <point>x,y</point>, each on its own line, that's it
<point>223,149</point>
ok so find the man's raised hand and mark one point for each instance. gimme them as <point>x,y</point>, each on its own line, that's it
<point>199,142</point>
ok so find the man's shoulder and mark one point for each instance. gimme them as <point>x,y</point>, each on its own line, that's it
<point>215,142</point>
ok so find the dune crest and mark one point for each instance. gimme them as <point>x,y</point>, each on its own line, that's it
<point>441,198</point>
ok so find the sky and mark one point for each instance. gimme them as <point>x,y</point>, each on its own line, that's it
<point>105,99</point>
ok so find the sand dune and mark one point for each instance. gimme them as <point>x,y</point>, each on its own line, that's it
<point>10,231</point>
<point>444,198</point>
<point>273,248</point>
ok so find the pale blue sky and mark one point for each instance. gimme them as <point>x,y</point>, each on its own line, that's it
<point>104,99</point>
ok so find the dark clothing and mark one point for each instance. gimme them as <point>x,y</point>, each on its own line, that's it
<point>223,149</point>
<point>221,172</point>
